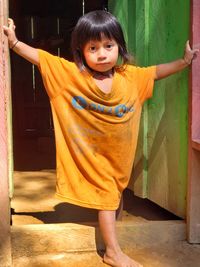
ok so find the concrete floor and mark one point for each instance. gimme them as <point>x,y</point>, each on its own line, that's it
<point>181,255</point>
<point>34,203</point>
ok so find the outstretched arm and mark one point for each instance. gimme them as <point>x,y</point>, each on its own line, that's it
<point>22,49</point>
<point>164,70</point>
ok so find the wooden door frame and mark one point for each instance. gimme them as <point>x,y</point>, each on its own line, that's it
<point>5,89</point>
<point>193,194</point>
<point>193,198</point>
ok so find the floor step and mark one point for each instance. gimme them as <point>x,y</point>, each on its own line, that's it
<point>59,238</point>
<point>176,254</point>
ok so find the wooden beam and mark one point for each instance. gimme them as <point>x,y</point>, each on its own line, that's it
<point>193,196</point>
<point>5,242</point>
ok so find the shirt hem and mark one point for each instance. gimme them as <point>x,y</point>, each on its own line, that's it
<point>85,204</point>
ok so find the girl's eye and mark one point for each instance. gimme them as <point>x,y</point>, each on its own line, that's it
<point>92,49</point>
<point>109,46</point>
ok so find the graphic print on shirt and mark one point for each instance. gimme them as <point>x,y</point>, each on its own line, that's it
<point>120,110</point>
<point>84,137</point>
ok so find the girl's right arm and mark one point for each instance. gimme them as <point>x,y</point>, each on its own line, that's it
<point>22,49</point>
<point>164,70</point>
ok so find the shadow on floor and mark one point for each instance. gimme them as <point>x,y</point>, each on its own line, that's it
<point>64,213</point>
<point>145,208</point>
<point>133,206</point>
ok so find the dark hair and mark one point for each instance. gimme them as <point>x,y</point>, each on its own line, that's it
<point>93,26</point>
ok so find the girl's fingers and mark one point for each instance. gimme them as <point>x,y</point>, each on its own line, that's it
<point>9,30</point>
<point>187,46</point>
<point>195,48</point>
<point>193,51</point>
<point>190,53</point>
<point>10,21</point>
<point>11,24</point>
<point>5,30</point>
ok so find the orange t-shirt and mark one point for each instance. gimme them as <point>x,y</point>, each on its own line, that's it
<point>96,133</point>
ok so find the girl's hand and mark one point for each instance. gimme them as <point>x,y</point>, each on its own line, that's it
<point>9,31</point>
<point>190,54</point>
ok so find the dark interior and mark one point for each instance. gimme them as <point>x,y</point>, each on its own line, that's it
<point>47,25</point>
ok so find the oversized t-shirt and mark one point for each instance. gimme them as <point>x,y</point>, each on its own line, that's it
<point>96,133</point>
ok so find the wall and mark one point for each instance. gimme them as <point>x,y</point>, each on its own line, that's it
<point>156,32</point>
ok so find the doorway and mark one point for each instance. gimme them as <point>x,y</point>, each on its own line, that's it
<point>48,25</point>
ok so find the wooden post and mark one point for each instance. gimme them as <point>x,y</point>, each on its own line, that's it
<point>5,242</point>
<point>193,198</point>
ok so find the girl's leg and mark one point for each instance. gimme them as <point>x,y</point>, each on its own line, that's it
<point>113,255</point>
<point>119,211</point>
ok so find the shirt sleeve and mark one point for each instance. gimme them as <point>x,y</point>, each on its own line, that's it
<point>54,71</point>
<point>145,81</point>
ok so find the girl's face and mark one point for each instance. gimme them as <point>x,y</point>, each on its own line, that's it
<point>101,55</point>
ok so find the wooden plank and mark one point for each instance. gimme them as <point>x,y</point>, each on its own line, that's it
<point>163,131</point>
<point>193,195</point>
<point>5,242</point>
<point>167,110</point>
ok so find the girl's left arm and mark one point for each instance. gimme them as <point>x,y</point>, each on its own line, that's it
<point>164,70</point>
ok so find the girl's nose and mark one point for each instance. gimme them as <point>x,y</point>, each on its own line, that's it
<point>101,54</point>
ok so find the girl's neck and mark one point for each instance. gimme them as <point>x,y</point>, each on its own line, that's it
<point>102,75</point>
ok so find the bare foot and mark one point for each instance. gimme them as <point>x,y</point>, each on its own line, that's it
<point>119,260</point>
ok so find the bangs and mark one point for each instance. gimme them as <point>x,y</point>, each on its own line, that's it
<point>96,33</point>
<point>95,29</point>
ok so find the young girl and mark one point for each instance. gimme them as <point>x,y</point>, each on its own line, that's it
<point>96,105</point>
